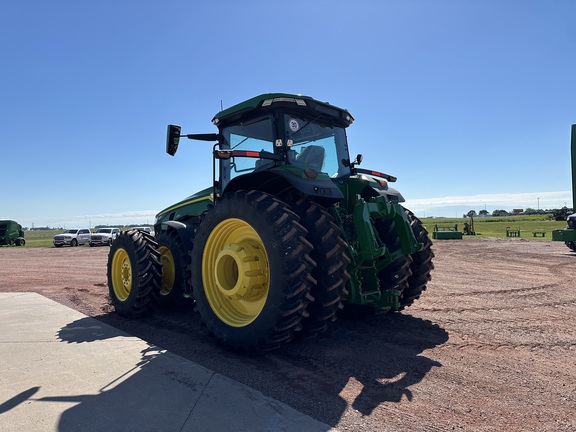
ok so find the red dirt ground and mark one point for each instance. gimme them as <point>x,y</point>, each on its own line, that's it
<point>490,346</point>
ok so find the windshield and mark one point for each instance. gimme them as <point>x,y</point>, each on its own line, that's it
<point>317,145</point>
<point>256,135</point>
<point>71,231</point>
<point>309,142</point>
<point>104,230</point>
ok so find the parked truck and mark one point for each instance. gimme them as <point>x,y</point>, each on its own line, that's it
<point>568,235</point>
<point>11,233</point>
<point>291,231</point>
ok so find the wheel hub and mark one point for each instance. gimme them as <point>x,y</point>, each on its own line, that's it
<point>241,271</point>
<point>126,274</point>
<point>168,270</point>
<point>235,272</point>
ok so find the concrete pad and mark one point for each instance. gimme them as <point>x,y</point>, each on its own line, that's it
<point>63,371</point>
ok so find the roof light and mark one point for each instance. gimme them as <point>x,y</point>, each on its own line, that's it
<point>289,143</point>
<point>299,102</point>
<point>278,142</point>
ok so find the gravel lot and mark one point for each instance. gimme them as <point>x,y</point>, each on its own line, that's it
<point>490,346</point>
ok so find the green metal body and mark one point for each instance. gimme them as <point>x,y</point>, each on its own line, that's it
<point>569,233</point>
<point>264,144</point>
<point>367,252</point>
<point>447,235</point>
<point>10,233</point>
<point>446,232</point>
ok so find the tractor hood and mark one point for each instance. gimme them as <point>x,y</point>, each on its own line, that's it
<point>193,205</point>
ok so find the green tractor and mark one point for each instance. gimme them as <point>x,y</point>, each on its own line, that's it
<point>11,233</point>
<point>291,232</point>
<point>568,235</point>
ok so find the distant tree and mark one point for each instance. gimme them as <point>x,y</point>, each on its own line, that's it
<point>483,212</point>
<point>471,213</point>
<point>500,213</point>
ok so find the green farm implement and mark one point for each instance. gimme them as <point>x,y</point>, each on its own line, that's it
<point>11,233</point>
<point>568,235</point>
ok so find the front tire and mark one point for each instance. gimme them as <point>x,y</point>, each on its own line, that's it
<point>134,273</point>
<point>255,278</point>
<point>571,245</point>
<point>74,243</point>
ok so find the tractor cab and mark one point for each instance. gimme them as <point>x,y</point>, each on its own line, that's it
<point>279,138</point>
<point>284,131</point>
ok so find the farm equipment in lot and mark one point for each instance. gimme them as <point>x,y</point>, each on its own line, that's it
<point>568,235</point>
<point>291,231</point>
<point>11,233</point>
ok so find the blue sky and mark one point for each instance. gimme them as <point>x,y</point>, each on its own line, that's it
<point>469,103</point>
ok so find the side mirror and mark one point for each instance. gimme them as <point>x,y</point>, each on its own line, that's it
<point>172,139</point>
<point>358,160</point>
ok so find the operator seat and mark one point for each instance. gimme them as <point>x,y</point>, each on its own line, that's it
<point>311,157</point>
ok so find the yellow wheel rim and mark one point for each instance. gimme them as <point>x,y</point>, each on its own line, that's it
<point>235,272</point>
<point>168,270</point>
<point>121,274</point>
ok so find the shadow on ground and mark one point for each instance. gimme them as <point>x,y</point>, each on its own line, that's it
<point>363,363</point>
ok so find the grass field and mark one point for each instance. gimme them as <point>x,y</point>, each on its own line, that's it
<point>41,238</point>
<point>485,227</point>
<point>495,227</point>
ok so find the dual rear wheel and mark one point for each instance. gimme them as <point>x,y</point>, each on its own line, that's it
<point>255,279</point>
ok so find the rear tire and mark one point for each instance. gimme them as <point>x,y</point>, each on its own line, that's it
<point>175,270</point>
<point>331,256</point>
<point>74,243</point>
<point>395,275</point>
<point>134,273</point>
<point>253,273</point>
<point>422,264</point>
<point>571,245</point>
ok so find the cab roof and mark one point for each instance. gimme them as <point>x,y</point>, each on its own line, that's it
<point>274,101</point>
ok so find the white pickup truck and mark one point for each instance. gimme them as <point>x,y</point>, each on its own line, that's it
<point>72,237</point>
<point>104,236</point>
